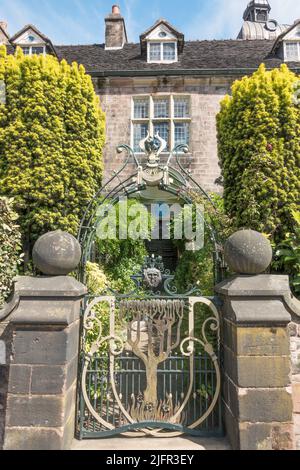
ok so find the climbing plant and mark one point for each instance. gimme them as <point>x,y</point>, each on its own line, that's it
<point>259,151</point>
<point>51,140</point>
<point>287,254</point>
<point>10,247</point>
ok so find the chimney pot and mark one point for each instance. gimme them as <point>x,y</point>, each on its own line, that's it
<point>116,10</point>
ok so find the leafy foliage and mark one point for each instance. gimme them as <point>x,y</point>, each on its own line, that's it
<point>51,139</point>
<point>119,258</point>
<point>10,247</point>
<point>95,279</point>
<point>197,268</point>
<point>259,151</point>
<point>97,282</point>
<point>288,254</point>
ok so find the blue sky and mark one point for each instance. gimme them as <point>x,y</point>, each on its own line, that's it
<point>82,21</point>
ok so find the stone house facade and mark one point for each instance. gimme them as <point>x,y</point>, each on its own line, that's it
<point>169,85</point>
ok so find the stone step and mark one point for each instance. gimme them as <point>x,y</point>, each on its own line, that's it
<point>153,444</point>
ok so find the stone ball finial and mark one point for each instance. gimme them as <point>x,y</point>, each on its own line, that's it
<point>248,252</point>
<point>56,253</point>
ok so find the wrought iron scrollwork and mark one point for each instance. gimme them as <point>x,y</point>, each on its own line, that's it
<point>148,379</point>
<point>153,332</point>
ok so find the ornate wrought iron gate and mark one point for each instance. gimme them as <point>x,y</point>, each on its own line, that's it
<point>152,369</point>
<point>150,359</point>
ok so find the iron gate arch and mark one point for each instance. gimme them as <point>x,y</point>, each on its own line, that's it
<point>172,386</point>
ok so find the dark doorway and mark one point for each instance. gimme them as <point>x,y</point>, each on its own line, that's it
<point>164,248</point>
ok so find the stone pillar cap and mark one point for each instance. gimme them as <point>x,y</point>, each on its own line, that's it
<point>260,285</point>
<point>49,286</point>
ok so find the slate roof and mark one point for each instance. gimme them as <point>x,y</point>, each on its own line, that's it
<point>198,56</point>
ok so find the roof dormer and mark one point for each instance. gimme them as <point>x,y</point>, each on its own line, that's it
<point>32,41</point>
<point>287,46</point>
<point>162,43</point>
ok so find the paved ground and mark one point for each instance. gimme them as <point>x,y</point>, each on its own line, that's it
<point>179,443</point>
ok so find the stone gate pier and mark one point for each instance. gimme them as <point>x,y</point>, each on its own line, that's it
<point>39,338</point>
<point>260,335</point>
<point>259,392</point>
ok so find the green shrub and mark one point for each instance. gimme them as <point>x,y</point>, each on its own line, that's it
<point>288,255</point>
<point>51,139</point>
<point>10,247</point>
<point>197,268</point>
<point>120,259</point>
<point>259,151</point>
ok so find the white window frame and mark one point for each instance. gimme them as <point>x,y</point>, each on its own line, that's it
<point>33,46</point>
<point>172,120</point>
<point>162,42</point>
<point>286,59</point>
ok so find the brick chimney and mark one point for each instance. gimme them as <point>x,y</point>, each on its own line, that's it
<point>115,30</point>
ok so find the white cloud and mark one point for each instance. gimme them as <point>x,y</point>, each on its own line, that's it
<point>53,22</point>
<point>132,25</point>
<point>222,19</point>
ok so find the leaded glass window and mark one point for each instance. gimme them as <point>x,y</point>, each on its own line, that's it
<point>292,51</point>
<point>169,51</point>
<point>182,133</point>
<point>141,108</point>
<point>162,51</point>
<point>139,133</point>
<point>181,107</point>
<point>33,50</point>
<point>167,115</point>
<point>155,52</point>
<point>38,50</point>
<point>163,128</point>
<point>161,108</point>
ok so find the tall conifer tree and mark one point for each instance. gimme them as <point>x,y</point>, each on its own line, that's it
<point>51,140</point>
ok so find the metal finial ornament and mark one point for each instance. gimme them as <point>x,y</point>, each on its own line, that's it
<point>153,147</point>
<point>152,173</point>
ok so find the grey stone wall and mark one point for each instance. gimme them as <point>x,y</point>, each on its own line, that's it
<point>205,94</point>
<point>40,374</point>
<point>294,329</point>
<point>5,353</point>
<point>257,392</point>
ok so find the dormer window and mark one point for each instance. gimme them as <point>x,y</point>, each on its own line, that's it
<point>162,52</point>
<point>34,50</point>
<point>287,45</point>
<point>32,42</point>
<point>162,43</point>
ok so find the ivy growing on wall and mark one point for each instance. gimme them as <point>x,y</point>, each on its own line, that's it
<point>51,139</point>
<point>259,151</point>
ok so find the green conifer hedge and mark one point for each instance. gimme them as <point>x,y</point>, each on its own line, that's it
<point>259,151</point>
<point>51,140</point>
